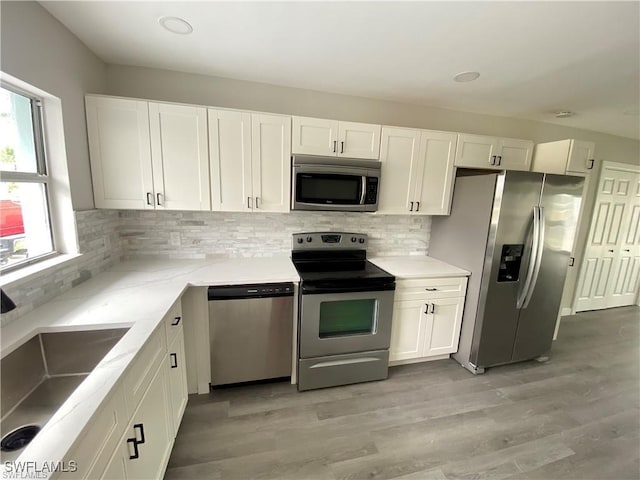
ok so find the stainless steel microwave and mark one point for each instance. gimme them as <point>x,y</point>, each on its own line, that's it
<point>334,184</point>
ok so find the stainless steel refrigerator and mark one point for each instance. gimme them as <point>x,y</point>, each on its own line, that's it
<point>514,231</point>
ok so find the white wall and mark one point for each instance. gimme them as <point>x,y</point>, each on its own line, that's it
<point>39,50</point>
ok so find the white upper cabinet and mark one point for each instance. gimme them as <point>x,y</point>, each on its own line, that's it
<point>230,153</point>
<point>270,160</point>
<point>118,131</point>
<point>148,155</point>
<point>479,151</point>
<point>315,136</point>
<point>250,161</point>
<point>179,152</point>
<point>564,157</point>
<point>417,171</point>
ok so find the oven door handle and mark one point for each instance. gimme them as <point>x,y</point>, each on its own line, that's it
<point>310,289</point>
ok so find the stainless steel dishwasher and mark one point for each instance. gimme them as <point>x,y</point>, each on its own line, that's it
<point>250,330</point>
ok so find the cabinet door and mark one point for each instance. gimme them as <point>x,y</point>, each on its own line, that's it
<point>436,173</point>
<point>118,131</point>
<point>177,380</point>
<point>153,414</point>
<point>271,162</point>
<point>180,157</point>
<point>408,330</point>
<point>476,151</point>
<point>581,156</point>
<point>230,155</point>
<point>358,140</point>
<point>399,154</point>
<point>515,154</point>
<point>443,326</point>
<point>315,136</point>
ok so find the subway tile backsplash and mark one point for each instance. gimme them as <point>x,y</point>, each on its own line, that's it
<point>108,236</point>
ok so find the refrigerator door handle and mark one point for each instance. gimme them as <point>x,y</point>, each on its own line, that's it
<point>533,257</point>
<point>536,268</point>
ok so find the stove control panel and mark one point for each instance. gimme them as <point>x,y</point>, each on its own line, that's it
<point>329,240</point>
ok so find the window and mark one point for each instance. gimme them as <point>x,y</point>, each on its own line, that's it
<point>25,222</point>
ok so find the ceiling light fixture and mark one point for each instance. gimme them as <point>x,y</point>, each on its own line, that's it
<point>176,25</point>
<point>466,76</point>
<point>564,114</point>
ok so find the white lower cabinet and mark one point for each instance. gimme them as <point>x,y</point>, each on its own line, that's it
<point>177,380</point>
<point>426,319</point>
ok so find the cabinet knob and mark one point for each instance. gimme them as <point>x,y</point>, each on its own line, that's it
<point>176,321</point>
<point>431,289</point>
<point>610,251</point>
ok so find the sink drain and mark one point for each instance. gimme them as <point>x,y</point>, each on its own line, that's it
<point>19,438</point>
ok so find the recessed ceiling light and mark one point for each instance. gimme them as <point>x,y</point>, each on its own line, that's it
<point>466,76</point>
<point>564,114</point>
<point>176,25</point>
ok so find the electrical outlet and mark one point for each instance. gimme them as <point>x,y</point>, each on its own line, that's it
<point>175,239</point>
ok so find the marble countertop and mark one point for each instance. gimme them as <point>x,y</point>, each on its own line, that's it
<point>137,294</point>
<point>413,266</point>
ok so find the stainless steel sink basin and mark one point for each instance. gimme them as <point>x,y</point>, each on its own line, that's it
<point>41,374</point>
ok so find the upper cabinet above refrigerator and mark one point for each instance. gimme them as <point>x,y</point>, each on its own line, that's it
<point>316,136</point>
<point>564,157</point>
<point>479,151</point>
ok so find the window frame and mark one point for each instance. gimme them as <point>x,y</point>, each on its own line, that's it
<point>40,176</point>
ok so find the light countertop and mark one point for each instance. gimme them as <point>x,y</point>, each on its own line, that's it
<point>137,294</point>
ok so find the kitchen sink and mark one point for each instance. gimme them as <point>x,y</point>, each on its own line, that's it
<point>39,376</point>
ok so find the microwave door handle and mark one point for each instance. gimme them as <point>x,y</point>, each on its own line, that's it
<point>364,189</point>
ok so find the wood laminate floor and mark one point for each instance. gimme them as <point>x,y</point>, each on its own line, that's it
<point>575,416</point>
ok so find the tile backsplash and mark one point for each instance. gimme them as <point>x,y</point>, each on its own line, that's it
<point>107,236</point>
<point>224,234</point>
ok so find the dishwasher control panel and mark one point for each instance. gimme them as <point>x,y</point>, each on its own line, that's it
<point>260,290</point>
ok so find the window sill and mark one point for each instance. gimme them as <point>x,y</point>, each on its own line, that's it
<point>37,268</point>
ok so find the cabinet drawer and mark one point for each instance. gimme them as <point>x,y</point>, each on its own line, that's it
<point>427,288</point>
<point>142,369</point>
<point>173,322</point>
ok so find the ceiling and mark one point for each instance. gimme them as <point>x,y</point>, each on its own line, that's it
<point>535,58</point>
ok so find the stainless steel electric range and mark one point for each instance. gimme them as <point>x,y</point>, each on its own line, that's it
<point>344,314</point>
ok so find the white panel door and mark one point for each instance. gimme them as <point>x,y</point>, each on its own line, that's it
<point>315,136</point>
<point>230,157</point>
<point>180,157</point>
<point>399,154</point>
<point>476,151</point>
<point>408,330</point>
<point>581,156</point>
<point>271,162</point>
<point>120,153</point>
<point>358,140</point>
<point>515,154</point>
<point>443,326</point>
<point>606,265</point>
<point>436,173</point>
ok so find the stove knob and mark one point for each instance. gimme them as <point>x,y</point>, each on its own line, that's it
<point>361,240</point>
<point>300,240</point>
<point>353,239</point>
<point>309,239</point>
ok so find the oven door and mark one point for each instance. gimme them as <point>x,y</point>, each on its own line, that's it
<point>335,323</point>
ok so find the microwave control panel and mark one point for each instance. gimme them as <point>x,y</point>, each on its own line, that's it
<point>371,195</point>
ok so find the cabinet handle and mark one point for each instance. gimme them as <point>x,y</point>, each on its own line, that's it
<point>335,146</point>
<point>590,163</point>
<point>141,427</point>
<point>249,204</point>
<point>257,198</point>
<point>572,261</point>
<point>136,453</point>
<point>176,321</point>
<point>431,289</point>
<point>417,206</point>
<point>610,251</point>
<point>411,208</point>
<point>493,160</point>
<point>627,250</point>
<point>341,147</point>
<point>426,308</point>
<point>499,157</point>
<point>174,360</point>
<point>158,198</point>
<point>149,198</point>
<point>433,308</point>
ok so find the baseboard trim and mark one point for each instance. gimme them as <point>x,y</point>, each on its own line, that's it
<point>565,311</point>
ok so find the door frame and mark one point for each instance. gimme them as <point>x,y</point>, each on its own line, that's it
<point>606,165</point>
